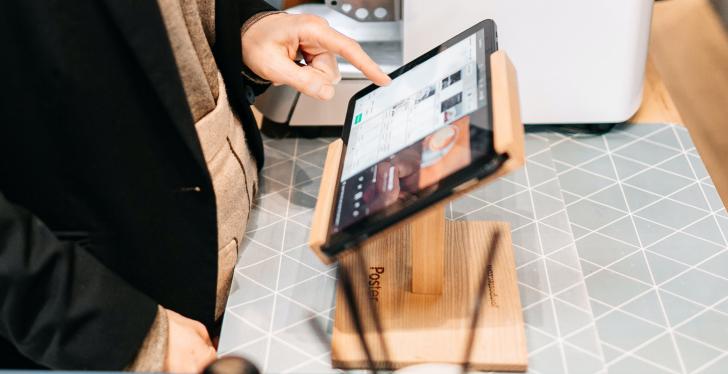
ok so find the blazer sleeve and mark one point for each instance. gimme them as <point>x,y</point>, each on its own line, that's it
<point>248,9</point>
<point>59,305</point>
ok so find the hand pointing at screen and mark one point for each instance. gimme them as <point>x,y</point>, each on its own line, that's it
<point>272,45</point>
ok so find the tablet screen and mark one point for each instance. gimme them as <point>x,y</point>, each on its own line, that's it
<point>429,123</point>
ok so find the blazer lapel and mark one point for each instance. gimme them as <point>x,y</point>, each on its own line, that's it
<point>141,24</point>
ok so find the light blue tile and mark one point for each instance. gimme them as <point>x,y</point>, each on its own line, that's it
<point>536,339</point>
<point>694,354</point>
<point>317,294</point>
<point>667,138</point>
<point>710,327</point>
<point>281,172</point>
<point>662,352</point>
<point>269,236</point>
<point>631,365</point>
<point>633,266</point>
<point>284,357</point>
<point>638,199</point>
<point>295,235</point>
<point>611,196</point>
<point>534,275</point>
<point>713,198</point>
<point>497,190</point>
<point>698,166</point>
<point>304,172</point>
<point>602,166</point>
<point>561,277</point>
<point>580,362</point>
<point>541,316</point>
<point>520,204</point>
<point>627,168</point>
<point>671,214</point>
<point>553,239</point>
<point>678,165</point>
<point>623,230</point>
<point>571,319</point>
<point>244,290</point>
<point>602,250</point>
<point>707,228</point>
<point>698,286</point>
<point>592,215</point>
<point>258,313</point>
<point>306,146</point>
<point>527,237</point>
<point>285,145</point>
<point>260,218</point>
<point>292,272</point>
<point>678,309</point>
<point>238,332</point>
<point>288,313</point>
<point>718,367</point>
<point>692,195</point>
<point>547,361</point>
<point>612,288</point>
<point>576,295</point>
<point>252,253</point>
<point>586,339</point>
<point>551,188</point>
<point>582,183</point>
<point>647,153</point>
<point>624,331</point>
<point>545,205</point>
<point>647,306</point>
<point>573,153</point>
<point>253,352</point>
<point>658,182</point>
<point>302,337</point>
<point>538,174</point>
<point>264,273</point>
<point>316,158</point>
<point>684,248</point>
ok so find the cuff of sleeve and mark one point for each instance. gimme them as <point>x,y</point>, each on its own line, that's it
<point>153,352</point>
<point>247,73</point>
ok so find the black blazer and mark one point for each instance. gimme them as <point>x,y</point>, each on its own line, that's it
<point>106,205</point>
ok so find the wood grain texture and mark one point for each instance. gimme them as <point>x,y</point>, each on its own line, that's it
<point>325,202</point>
<point>689,47</point>
<point>434,328</point>
<point>428,251</point>
<point>657,104</point>
<point>507,123</point>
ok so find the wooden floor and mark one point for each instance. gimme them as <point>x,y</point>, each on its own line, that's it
<point>689,49</point>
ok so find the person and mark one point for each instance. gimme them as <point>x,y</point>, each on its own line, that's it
<point>128,165</point>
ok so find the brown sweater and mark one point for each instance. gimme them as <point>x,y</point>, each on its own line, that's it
<point>190,26</point>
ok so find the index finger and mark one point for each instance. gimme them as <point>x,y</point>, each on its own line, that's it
<point>350,50</point>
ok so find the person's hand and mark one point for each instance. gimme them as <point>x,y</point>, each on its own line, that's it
<point>272,44</point>
<point>189,349</point>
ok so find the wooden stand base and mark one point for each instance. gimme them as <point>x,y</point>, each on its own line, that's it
<point>430,328</point>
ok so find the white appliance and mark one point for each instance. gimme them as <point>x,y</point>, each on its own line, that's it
<point>578,61</point>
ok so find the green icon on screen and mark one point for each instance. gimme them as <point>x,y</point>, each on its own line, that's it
<point>357,119</point>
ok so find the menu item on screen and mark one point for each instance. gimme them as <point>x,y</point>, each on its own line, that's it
<point>430,122</point>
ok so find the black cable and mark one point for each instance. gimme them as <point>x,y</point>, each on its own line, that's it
<point>479,301</point>
<point>350,298</point>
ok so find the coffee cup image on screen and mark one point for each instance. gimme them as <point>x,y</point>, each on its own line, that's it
<point>429,123</point>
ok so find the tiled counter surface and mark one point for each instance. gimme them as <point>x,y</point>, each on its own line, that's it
<point>653,310</point>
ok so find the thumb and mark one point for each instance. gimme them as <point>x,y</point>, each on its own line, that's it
<point>305,79</point>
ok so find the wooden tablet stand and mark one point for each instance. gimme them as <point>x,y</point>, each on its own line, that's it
<point>423,274</point>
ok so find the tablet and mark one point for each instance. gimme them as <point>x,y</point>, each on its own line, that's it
<point>413,143</point>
